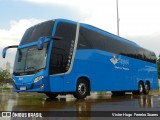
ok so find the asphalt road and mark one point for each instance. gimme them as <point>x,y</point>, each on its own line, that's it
<point>93,107</point>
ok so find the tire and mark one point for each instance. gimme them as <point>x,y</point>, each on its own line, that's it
<point>51,95</point>
<point>140,89</point>
<point>82,89</point>
<point>146,88</point>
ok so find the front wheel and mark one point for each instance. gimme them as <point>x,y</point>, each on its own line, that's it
<point>82,89</point>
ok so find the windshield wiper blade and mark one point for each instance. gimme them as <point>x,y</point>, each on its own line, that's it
<point>35,70</point>
<point>27,68</point>
<point>40,69</point>
<point>19,69</point>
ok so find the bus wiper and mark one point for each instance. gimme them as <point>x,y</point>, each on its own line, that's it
<point>40,69</point>
<point>36,70</point>
<point>19,69</point>
<point>27,68</point>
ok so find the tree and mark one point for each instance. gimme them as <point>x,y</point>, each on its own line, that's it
<point>5,76</point>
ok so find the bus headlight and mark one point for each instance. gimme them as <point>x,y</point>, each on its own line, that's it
<point>38,79</point>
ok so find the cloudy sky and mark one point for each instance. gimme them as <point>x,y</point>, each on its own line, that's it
<point>139,19</point>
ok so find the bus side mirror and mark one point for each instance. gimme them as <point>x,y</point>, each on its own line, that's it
<point>4,52</point>
<point>6,48</point>
<point>40,43</point>
<point>55,37</point>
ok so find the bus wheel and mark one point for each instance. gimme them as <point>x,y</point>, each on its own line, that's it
<point>52,95</point>
<point>140,89</point>
<point>82,89</point>
<point>146,88</point>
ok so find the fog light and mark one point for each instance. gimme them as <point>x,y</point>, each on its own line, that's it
<point>42,86</point>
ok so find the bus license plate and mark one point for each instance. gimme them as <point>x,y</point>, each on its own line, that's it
<point>23,88</point>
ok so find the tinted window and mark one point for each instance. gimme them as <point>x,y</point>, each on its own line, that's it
<point>62,50</point>
<point>32,34</point>
<point>83,40</point>
<point>89,39</point>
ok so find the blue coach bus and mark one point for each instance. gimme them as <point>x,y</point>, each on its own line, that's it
<point>64,57</point>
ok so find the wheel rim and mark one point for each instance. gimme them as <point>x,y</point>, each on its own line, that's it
<point>146,88</point>
<point>82,88</point>
<point>140,88</point>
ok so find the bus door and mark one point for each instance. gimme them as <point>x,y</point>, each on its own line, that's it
<point>62,54</point>
<point>57,69</point>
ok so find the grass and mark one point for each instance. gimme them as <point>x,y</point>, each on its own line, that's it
<point>154,92</point>
<point>5,88</point>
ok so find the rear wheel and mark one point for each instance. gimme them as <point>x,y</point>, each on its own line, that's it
<point>82,89</point>
<point>52,95</point>
<point>140,89</point>
<point>146,88</point>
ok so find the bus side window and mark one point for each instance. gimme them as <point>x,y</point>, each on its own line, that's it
<point>57,63</point>
<point>65,47</point>
<point>83,42</point>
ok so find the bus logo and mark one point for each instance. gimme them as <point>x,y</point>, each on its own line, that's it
<point>114,60</point>
<point>20,78</point>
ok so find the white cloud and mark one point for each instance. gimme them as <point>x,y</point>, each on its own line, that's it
<point>15,32</point>
<point>137,17</point>
<point>12,36</point>
<point>104,15</point>
<point>100,13</point>
<point>83,3</point>
<point>150,42</point>
<point>70,9</point>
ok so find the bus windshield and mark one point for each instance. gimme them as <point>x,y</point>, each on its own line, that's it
<point>33,33</point>
<point>30,60</point>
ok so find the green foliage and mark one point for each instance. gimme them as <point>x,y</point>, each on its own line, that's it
<point>5,76</point>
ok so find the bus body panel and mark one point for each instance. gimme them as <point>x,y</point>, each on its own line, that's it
<point>104,75</point>
<point>28,82</point>
<point>56,83</point>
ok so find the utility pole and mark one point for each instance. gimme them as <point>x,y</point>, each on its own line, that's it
<point>117,18</point>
